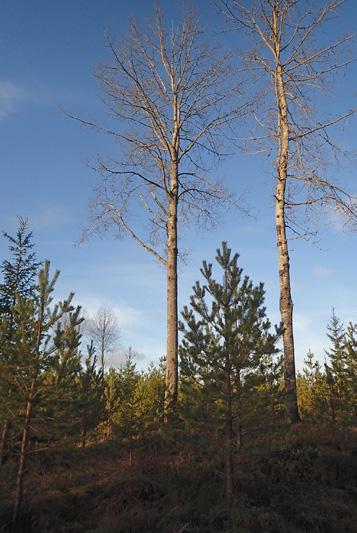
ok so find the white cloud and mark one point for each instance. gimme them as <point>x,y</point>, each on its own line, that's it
<point>136,329</point>
<point>54,215</point>
<point>341,220</point>
<point>118,357</point>
<point>10,96</point>
<point>253,228</point>
<point>128,317</point>
<point>322,271</point>
<point>301,323</point>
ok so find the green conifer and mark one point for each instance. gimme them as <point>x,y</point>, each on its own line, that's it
<point>20,270</point>
<point>225,332</point>
<point>91,395</point>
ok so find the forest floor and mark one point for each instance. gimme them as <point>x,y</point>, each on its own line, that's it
<point>303,482</point>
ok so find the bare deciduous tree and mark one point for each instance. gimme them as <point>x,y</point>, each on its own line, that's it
<point>290,51</point>
<point>103,328</point>
<point>168,95</point>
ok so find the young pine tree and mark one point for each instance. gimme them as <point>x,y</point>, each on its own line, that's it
<point>111,400</point>
<point>150,395</point>
<point>340,370</point>
<point>133,402</point>
<point>127,417</point>
<point>18,280</point>
<point>225,332</point>
<point>262,396</point>
<point>34,318</point>
<point>61,383</point>
<point>351,371</point>
<point>313,392</point>
<point>91,395</point>
<point>18,272</point>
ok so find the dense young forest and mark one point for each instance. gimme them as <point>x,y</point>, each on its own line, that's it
<point>85,447</point>
<point>224,433</point>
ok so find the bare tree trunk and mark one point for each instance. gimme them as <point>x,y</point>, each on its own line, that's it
<point>286,303</point>
<point>286,311</point>
<point>297,64</point>
<point>3,441</point>
<point>171,377</point>
<point>23,455</point>
<point>228,462</point>
<point>160,83</point>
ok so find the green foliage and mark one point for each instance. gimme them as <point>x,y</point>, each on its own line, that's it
<point>227,348</point>
<point>28,353</point>
<point>230,377</point>
<point>313,394</point>
<point>328,395</point>
<point>134,401</point>
<point>18,282</point>
<point>341,370</point>
<point>91,395</point>
<point>126,416</point>
<point>262,394</point>
<point>18,272</point>
<point>150,395</point>
<point>350,371</point>
<point>62,381</point>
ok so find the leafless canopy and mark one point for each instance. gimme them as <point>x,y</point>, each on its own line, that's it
<point>308,59</point>
<point>168,97</point>
<point>103,329</point>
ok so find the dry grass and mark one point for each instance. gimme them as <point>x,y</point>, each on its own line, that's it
<point>303,483</point>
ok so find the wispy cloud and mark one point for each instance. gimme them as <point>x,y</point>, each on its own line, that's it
<point>302,323</point>
<point>128,317</point>
<point>340,220</point>
<point>54,215</point>
<point>10,97</point>
<point>254,228</point>
<point>39,219</point>
<point>322,271</point>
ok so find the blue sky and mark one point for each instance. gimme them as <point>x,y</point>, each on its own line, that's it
<point>48,52</point>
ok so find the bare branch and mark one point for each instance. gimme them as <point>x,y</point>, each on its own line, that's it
<point>140,241</point>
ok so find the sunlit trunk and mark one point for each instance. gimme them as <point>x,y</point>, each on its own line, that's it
<point>171,376</point>
<point>286,311</point>
<point>286,303</point>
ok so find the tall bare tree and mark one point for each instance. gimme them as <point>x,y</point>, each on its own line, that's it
<point>168,97</point>
<point>290,51</point>
<point>103,328</point>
